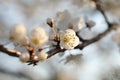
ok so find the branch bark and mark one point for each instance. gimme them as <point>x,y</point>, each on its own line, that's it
<point>10,52</point>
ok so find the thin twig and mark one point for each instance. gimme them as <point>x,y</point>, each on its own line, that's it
<point>10,52</point>
<point>101,9</point>
<point>88,42</point>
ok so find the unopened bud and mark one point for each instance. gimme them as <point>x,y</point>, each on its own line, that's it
<point>35,58</point>
<point>50,22</point>
<point>24,57</point>
<point>42,56</point>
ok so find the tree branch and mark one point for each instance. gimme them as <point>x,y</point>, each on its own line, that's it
<point>101,9</point>
<point>10,52</point>
<point>80,46</point>
<point>88,42</point>
<point>54,51</point>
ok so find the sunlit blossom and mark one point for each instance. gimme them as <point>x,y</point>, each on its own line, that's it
<point>68,39</point>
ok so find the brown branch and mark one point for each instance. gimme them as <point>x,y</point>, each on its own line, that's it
<point>84,44</point>
<point>54,51</point>
<point>100,36</point>
<point>101,9</point>
<point>80,38</point>
<point>10,52</point>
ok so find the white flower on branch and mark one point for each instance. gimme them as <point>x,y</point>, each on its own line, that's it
<point>42,56</point>
<point>116,36</point>
<point>38,37</point>
<point>24,57</point>
<point>17,33</point>
<point>68,39</point>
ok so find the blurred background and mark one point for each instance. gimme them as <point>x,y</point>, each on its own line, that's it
<point>99,61</point>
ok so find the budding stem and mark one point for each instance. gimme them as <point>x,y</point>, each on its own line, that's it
<point>54,32</point>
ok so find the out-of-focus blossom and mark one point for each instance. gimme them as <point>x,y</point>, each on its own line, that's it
<point>38,37</point>
<point>24,57</point>
<point>17,33</point>
<point>116,36</point>
<point>77,24</point>
<point>65,19</point>
<point>42,56</point>
<point>24,41</point>
<point>68,39</point>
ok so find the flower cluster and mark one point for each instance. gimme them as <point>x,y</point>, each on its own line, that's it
<point>37,36</point>
<point>34,41</point>
<point>68,39</point>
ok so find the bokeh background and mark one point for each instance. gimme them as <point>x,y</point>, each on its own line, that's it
<point>99,61</point>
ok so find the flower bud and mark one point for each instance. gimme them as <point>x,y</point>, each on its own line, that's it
<point>50,22</point>
<point>24,57</point>
<point>42,56</point>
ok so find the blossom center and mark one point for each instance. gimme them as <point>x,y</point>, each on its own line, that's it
<point>35,41</point>
<point>66,39</point>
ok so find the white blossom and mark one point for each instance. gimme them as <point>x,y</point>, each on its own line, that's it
<point>17,32</point>
<point>24,57</point>
<point>65,19</point>
<point>68,39</point>
<point>38,37</point>
<point>42,56</point>
<point>116,36</point>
